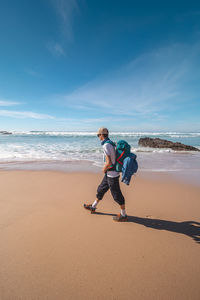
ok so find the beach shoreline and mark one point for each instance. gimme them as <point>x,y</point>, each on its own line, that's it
<point>51,248</point>
<point>186,176</point>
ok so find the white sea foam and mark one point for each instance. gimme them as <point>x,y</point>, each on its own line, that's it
<point>113,133</point>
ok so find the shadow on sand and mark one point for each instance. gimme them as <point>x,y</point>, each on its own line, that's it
<point>189,228</point>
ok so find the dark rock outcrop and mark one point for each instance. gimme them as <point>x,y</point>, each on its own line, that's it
<point>160,143</point>
<point>5,132</point>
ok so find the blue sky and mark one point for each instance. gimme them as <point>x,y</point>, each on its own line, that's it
<point>82,64</point>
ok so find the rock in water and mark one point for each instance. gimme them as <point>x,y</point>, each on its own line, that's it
<point>160,143</point>
<point>5,132</point>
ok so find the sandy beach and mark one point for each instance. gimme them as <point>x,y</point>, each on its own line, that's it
<point>51,248</point>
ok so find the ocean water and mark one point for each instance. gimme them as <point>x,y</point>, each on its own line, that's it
<point>82,151</point>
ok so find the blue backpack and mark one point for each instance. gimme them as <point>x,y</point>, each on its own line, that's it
<point>123,150</point>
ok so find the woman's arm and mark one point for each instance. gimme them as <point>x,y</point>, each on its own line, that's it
<point>108,163</point>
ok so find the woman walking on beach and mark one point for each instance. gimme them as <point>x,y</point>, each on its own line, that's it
<point>110,179</point>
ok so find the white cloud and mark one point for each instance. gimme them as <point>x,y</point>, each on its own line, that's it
<point>147,86</point>
<point>24,114</point>
<point>66,9</point>
<point>56,49</point>
<point>59,49</point>
<point>8,103</point>
<point>32,73</point>
<point>92,120</point>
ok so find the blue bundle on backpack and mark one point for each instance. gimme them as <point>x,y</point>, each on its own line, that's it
<point>130,167</point>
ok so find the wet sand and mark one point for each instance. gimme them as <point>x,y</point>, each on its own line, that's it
<point>51,248</point>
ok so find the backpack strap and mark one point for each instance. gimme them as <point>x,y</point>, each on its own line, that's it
<point>118,159</point>
<point>108,141</point>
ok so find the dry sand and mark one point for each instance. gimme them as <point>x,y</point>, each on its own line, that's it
<point>51,248</point>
